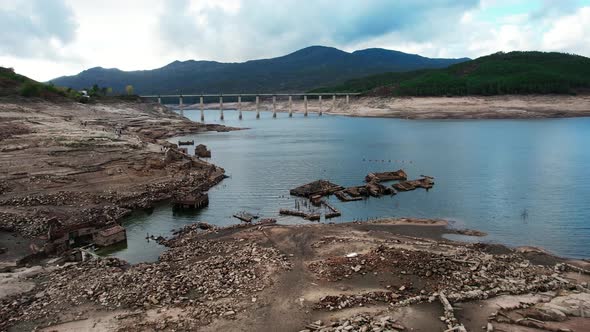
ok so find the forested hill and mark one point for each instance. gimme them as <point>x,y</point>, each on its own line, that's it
<point>308,68</point>
<point>499,73</point>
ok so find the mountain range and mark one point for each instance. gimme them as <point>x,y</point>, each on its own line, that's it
<point>306,69</point>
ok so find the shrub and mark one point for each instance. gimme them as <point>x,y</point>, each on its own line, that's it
<point>31,89</point>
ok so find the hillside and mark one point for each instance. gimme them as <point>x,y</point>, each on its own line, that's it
<point>496,74</point>
<point>302,70</point>
<point>12,84</point>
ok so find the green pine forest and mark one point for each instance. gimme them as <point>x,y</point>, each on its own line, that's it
<point>496,74</point>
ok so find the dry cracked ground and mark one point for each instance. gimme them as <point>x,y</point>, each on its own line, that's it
<point>349,277</point>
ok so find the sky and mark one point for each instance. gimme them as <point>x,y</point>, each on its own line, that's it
<point>44,39</point>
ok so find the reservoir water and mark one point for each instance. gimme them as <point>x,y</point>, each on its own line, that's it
<point>524,182</point>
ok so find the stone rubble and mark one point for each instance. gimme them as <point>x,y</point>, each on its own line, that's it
<point>466,275</point>
<point>194,272</point>
<point>360,322</point>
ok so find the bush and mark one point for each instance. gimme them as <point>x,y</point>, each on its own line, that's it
<point>31,89</point>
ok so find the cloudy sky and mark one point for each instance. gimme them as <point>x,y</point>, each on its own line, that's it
<point>44,39</point>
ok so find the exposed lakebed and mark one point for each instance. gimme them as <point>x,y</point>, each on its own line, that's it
<point>524,182</point>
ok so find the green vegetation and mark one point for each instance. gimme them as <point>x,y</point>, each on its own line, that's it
<point>496,74</point>
<point>36,89</point>
<point>12,83</point>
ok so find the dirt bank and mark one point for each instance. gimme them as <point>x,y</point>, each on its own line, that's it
<point>65,163</point>
<point>475,107</point>
<point>309,277</point>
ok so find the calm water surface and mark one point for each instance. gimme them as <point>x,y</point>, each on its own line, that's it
<point>524,182</point>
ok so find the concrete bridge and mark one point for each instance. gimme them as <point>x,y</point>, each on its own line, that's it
<point>257,97</point>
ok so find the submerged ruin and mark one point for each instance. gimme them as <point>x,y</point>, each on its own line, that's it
<point>319,187</point>
<point>202,152</point>
<point>191,201</point>
<point>386,176</point>
<point>315,191</point>
<point>426,182</point>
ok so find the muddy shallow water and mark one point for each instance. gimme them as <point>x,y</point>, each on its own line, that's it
<point>524,182</point>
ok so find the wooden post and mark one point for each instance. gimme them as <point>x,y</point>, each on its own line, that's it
<point>290,106</point>
<point>320,99</point>
<point>274,107</point>
<point>305,105</point>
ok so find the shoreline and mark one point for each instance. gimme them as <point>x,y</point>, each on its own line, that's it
<point>246,277</point>
<point>419,108</point>
<point>67,165</point>
<point>14,204</point>
<point>108,160</point>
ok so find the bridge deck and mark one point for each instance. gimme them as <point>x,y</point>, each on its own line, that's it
<point>251,95</point>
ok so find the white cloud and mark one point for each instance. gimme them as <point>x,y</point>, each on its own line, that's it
<point>44,39</point>
<point>570,33</point>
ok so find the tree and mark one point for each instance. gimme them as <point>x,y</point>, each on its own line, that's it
<point>129,89</point>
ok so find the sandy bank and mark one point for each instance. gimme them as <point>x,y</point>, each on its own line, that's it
<point>475,107</point>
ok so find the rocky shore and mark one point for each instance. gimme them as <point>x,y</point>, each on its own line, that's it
<point>321,277</point>
<point>67,164</point>
<point>64,164</point>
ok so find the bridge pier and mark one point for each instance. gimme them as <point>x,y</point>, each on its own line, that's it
<point>221,107</point>
<point>258,107</point>
<point>202,110</point>
<point>180,104</point>
<point>290,106</point>
<point>240,107</point>
<point>320,100</point>
<point>305,105</point>
<point>333,103</point>
<point>274,107</point>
